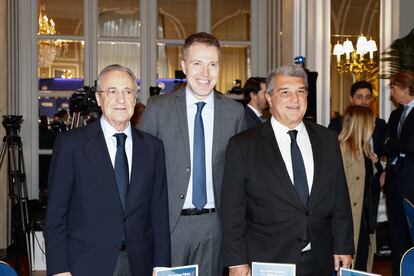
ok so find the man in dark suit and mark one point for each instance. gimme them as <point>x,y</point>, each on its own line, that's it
<point>255,91</point>
<point>285,198</point>
<point>399,149</point>
<point>361,94</point>
<point>107,205</point>
<point>195,124</point>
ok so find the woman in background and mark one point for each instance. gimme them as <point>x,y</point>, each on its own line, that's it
<point>359,160</point>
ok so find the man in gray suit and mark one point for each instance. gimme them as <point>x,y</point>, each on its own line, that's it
<point>195,124</point>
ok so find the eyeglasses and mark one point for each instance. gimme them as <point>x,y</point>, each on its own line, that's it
<point>286,93</point>
<point>112,92</point>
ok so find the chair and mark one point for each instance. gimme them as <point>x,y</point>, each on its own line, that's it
<point>409,212</point>
<point>407,263</point>
<point>6,270</point>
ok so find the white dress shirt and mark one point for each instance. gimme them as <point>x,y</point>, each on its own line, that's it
<point>208,123</point>
<point>111,143</point>
<point>410,106</point>
<point>303,141</point>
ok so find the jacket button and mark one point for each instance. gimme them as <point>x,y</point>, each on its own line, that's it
<point>355,204</point>
<point>187,170</point>
<point>308,213</point>
<point>299,239</point>
<point>357,178</point>
<point>181,196</point>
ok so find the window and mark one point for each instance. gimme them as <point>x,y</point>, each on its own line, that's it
<point>86,36</point>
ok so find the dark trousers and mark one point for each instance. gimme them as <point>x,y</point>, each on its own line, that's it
<point>399,234</point>
<point>122,265</point>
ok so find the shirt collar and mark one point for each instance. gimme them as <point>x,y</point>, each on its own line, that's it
<point>109,130</point>
<point>411,104</point>
<point>258,114</point>
<point>280,128</point>
<point>191,100</point>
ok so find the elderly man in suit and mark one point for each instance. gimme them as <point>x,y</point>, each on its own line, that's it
<point>285,198</point>
<point>399,149</point>
<point>255,90</point>
<point>107,207</point>
<point>195,124</point>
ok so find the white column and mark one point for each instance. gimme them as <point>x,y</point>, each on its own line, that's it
<point>318,54</point>
<point>259,37</point>
<point>27,92</point>
<point>299,18</point>
<point>148,55</point>
<point>389,31</point>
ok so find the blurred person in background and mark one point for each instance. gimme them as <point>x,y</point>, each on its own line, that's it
<point>399,149</point>
<point>359,160</point>
<point>255,91</point>
<point>138,111</point>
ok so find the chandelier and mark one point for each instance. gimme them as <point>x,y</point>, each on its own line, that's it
<point>355,61</point>
<point>49,49</point>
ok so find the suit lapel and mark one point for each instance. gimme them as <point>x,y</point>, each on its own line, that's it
<point>408,119</point>
<point>316,146</point>
<point>278,163</point>
<point>218,126</point>
<point>138,169</point>
<point>181,111</point>
<point>97,154</point>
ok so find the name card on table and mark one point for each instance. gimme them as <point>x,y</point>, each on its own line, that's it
<point>352,272</point>
<point>273,269</point>
<point>188,270</point>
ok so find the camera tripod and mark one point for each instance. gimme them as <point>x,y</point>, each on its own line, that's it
<point>17,186</point>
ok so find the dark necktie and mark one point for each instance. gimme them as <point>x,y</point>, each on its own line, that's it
<point>199,161</point>
<point>401,122</point>
<point>121,168</point>
<point>300,181</point>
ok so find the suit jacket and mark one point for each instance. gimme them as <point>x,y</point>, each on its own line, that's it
<point>166,117</point>
<point>251,118</point>
<point>393,147</point>
<point>85,220</point>
<point>263,218</point>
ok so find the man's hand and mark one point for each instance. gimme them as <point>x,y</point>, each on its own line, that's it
<point>240,270</point>
<point>344,261</point>
<point>63,274</point>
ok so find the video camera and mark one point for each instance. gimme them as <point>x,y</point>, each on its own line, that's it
<point>83,106</point>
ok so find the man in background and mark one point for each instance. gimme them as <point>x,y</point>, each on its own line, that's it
<point>399,149</point>
<point>285,197</point>
<point>361,94</point>
<point>255,91</point>
<point>107,208</point>
<point>195,124</point>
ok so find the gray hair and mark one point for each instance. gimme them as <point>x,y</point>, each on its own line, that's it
<point>292,70</point>
<point>116,67</point>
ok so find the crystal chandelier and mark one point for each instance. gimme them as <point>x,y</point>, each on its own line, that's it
<point>355,61</point>
<point>49,49</point>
